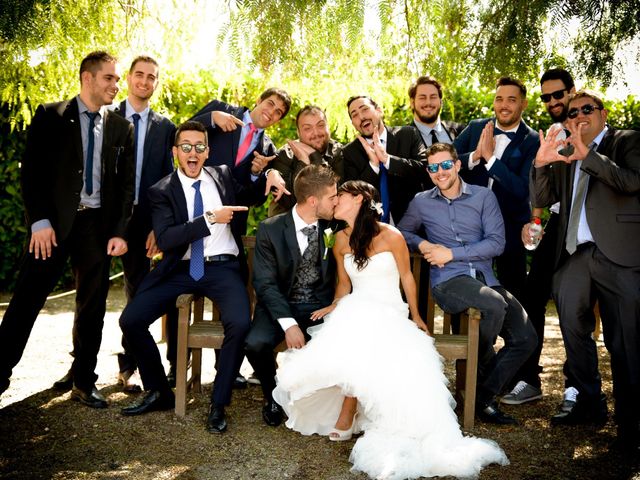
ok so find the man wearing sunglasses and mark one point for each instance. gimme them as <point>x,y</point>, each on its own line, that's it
<point>556,85</point>
<point>194,219</point>
<point>497,153</point>
<point>597,257</point>
<point>464,232</point>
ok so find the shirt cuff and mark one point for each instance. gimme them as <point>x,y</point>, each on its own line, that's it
<point>40,224</point>
<point>254,178</point>
<point>286,323</point>
<point>490,162</point>
<point>472,163</point>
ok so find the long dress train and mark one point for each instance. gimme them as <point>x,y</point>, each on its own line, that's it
<point>368,348</point>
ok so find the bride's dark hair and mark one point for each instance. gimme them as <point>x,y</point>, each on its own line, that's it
<point>366,227</point>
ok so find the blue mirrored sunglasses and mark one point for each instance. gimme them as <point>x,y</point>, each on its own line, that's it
<point>446,165</point>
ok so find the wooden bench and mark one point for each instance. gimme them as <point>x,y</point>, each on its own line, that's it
<point>462,348</point>
<point>195,333</point>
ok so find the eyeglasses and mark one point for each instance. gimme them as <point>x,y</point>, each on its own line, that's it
<point>558,94</point>
<point>446,165</point>
<point>587,109</point>
<point>187,147</point>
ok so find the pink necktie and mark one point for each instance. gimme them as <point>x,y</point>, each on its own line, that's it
<point>244,148</point>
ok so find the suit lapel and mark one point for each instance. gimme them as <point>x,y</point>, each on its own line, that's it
<point>220,185</point>
<point>392,142</point>
<point>71,117</point>
<point>178,197</point>
<point>324,262</point>
<point>291,240</point>
<point>152,128</point>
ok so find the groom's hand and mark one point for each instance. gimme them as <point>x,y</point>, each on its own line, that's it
<point>294,337</point>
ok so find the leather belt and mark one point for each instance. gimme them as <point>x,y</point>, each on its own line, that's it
<point>225,257</point>
<point>82,208</point>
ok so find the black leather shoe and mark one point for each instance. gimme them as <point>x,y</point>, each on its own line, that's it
<point>272,413</point>
<point>583,412</point>
<point>216,422</point>
<point>240,383</point>
<point>92,398</point>
<point>151,402</point>
<point>171,376</point>
<point>490,413</point>
<point>65,383</point>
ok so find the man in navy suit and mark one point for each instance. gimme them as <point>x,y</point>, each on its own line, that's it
<point>193,219</point>
<point>154,136</point>
<point>77,182</point>
<point>497,153</point>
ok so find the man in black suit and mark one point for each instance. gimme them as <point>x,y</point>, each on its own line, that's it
<point>153,140</point>
<point>597,257</point>
<point>77,185</point>
<point>392,159</point>
<point>314,147</point>
<point>293,275</point>
<point>193,219</point>
<point>425,96</point>
<point>497,153</point>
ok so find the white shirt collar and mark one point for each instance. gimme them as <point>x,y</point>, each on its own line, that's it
<point>129,111</point>
<point>298,221</point>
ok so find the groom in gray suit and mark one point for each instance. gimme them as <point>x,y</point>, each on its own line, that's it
<point>293,275</point>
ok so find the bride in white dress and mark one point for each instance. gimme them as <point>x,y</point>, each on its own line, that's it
<point>370,369</point>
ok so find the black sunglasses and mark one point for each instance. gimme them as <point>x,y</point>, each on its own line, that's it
<point>558,94</point>
<point>187,147</point>
<point>587,109</point>
<point>446,165</point>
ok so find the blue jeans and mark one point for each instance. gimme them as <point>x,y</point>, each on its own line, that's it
<point>502,315</point>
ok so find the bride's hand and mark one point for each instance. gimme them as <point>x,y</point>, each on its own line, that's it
<point>422,326</point>
<point>319,314</point>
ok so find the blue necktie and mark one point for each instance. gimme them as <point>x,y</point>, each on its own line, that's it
<point>88,169</point>
<point>510,135</point>
<point>196,264</point>
<point>136,119</point>
<point>384,193</point>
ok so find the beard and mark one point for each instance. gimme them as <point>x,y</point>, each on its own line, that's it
<point>428,118</point>
<point>559,117</point>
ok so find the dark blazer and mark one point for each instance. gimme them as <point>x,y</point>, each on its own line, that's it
<point>453,129</point>
<point>276,259</point>
<point>223,146</point>
<point>510,173</point>
<point>407,167</point>
<point>612,204</point>
<point>289,166</point>
<point>175,232</point>
<point>157,158</point>
<point>52,169</point>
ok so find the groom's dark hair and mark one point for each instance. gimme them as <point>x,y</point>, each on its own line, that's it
<point>312,181</point>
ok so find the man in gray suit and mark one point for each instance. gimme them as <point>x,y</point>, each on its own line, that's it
<point>293,275</point>
<point>597,257</point>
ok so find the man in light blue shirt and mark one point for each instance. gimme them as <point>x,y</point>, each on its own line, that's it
<point>465,231</point>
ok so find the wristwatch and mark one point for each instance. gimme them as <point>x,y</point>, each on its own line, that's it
<point>211,217</point>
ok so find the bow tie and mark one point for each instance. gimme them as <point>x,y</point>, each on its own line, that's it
<point>510,135</point>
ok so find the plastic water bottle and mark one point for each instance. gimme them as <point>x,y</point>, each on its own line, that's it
<point>535,234</point>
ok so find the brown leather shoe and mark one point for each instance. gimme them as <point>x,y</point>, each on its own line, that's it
<point>124,379</point>
<point>92,398</point>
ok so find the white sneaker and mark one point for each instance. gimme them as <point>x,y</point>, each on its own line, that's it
<point>569,399</point>
<point>522,393</point>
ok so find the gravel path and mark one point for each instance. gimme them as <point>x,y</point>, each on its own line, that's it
<point>44,435</point>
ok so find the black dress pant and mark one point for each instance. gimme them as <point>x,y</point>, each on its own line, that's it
<point>86,247</point>
<point>136,265</point>
<point>222,282</point>
<point>264,337</point>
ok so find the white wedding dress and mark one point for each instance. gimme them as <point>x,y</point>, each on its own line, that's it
<point>370,349</point>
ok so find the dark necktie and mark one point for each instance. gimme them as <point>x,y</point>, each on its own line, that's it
<point>136,119</point>
<point>576,209</point>
<point>510,135</point>
<point>88,169</point>
<point>312,250</point>
<point>384,193</point>
<point>196,264</point>
<point>434,138</point>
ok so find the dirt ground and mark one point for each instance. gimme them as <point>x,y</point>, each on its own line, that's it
<point>44,435</point>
